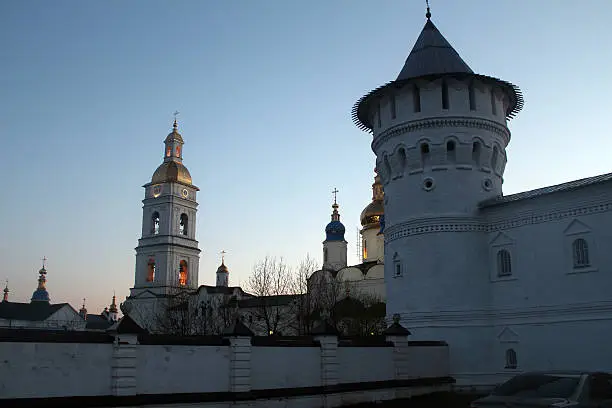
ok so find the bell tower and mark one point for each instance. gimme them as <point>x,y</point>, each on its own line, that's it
<point>167,256</point>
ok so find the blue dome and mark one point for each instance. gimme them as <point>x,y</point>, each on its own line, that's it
<point>334,231</point>
<point>40,295</point>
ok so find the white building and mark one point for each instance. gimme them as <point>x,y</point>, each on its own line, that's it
<point>514,282</point>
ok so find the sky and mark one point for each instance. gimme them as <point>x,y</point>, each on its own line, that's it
<point>264,89</point>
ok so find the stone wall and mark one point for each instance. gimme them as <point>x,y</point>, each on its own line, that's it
<point>41,368</point>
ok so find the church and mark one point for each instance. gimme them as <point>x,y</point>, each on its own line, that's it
<point>511,282</point>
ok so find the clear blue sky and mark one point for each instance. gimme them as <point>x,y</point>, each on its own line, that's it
<point>265,90</point>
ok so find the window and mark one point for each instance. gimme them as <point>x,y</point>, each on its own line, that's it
<point>444,95</point>
<point>398,269</point>
<point>476,153</point>
<point>378,115</point>
<point>511,361</point>
<point>451,153</point>
<point>168,151</point>
<point>151,270</point>
<point>472,96</point>
<point>424,153</point>
<point>155,223</point>
<point>393,107</point>
<point>183,273</point>
<point>504,263</point>
<point>494,157</point>
<point>365,250</point>
<point>324,255</point>
<point>183,224</point>
<point>493,104</point>
<point>580,252</point>
<point>402,158</point>
<point>416,98</point>
<point>178,151</point>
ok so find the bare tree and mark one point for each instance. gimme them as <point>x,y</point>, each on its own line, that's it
<point>307,301</point>
<point>272,309</point>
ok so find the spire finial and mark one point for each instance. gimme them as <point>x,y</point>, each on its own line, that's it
<point>44,260</point>
<point>428,14</point>
<point>175,125</point>
<point>6,292</point>
<point>83,303</point>
<point>223,257</point>
<point>334,192</point>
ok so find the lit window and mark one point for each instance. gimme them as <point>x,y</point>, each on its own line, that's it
<point>178,151</point>
<point>183,273</point>
<point>504,263</point>
<point>151,270</point>
<point>168,151</point>
<point>365,250</point>
<point>580,250</point>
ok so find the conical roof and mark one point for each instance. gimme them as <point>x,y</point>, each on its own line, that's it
<point>432,54</point>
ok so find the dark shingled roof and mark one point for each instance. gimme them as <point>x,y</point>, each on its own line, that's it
<point>238,329</point>
<point>35,311</point>
<point>128,326</point>
<point>278,300</point>
<point>97,322</point>
<point>571,185</point>
<point>432,55</point>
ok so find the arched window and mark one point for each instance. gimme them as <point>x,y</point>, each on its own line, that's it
<point>580,251</point>
<point>451,152</point>
<point>168,151</point>
<point>504,263</point>
<point>472,96</point>
<point>178,151</point>
<point>151,270</point>
<point>402,158</point>
<point>155,223</point>
<point>476,153</point>
<point>416,98</point>
<point>183,224</point>
<point>424,154</point>
<point>494,157</point>
<point>444,95</point>
<point>183,273</point>
<point>365,250</point>
<point>511,361</point>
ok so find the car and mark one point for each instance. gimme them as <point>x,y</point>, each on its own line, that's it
<point>552,389</point>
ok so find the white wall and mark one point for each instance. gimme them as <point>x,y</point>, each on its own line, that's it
<point>54,369</point>
<point>285,367</point>
<point>178,369</point>
<point>361,364</point>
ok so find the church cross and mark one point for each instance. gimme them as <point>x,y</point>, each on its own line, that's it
<point>334,192</point>
<point>223,256</point>
<point>175,115</point>
<point>44,260</point>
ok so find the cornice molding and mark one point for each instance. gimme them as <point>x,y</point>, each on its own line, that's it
<point>481,224</point>
<point>448,122</point>
<point>526,315</point>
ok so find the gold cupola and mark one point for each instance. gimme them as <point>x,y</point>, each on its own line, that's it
<point>172,170</point>
<point>370,216</point>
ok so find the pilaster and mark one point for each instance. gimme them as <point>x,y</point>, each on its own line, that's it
<point>398,335</point>
<point>124,364</point>
<point>240,356</point>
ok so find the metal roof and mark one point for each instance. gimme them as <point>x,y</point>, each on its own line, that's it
<point>570,185</point>
<point>431,57</point>
<point>35,311</point>
<point>432,54</point>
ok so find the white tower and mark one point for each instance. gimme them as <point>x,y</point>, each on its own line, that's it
<point>222,272</point>
<point>440,138</point>
<point>372,238</point>
<point>334,246</point>
<point>167,256</point>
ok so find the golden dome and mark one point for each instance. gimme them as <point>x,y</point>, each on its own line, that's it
<point>171,171</point>
<point>371,214</point>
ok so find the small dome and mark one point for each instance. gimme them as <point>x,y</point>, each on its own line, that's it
<point>171,171</point>
<point>174,135</point>
<point>40,295</point>
<point>334,231</point>
<point>372,213</point>
<point>222,268</point>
